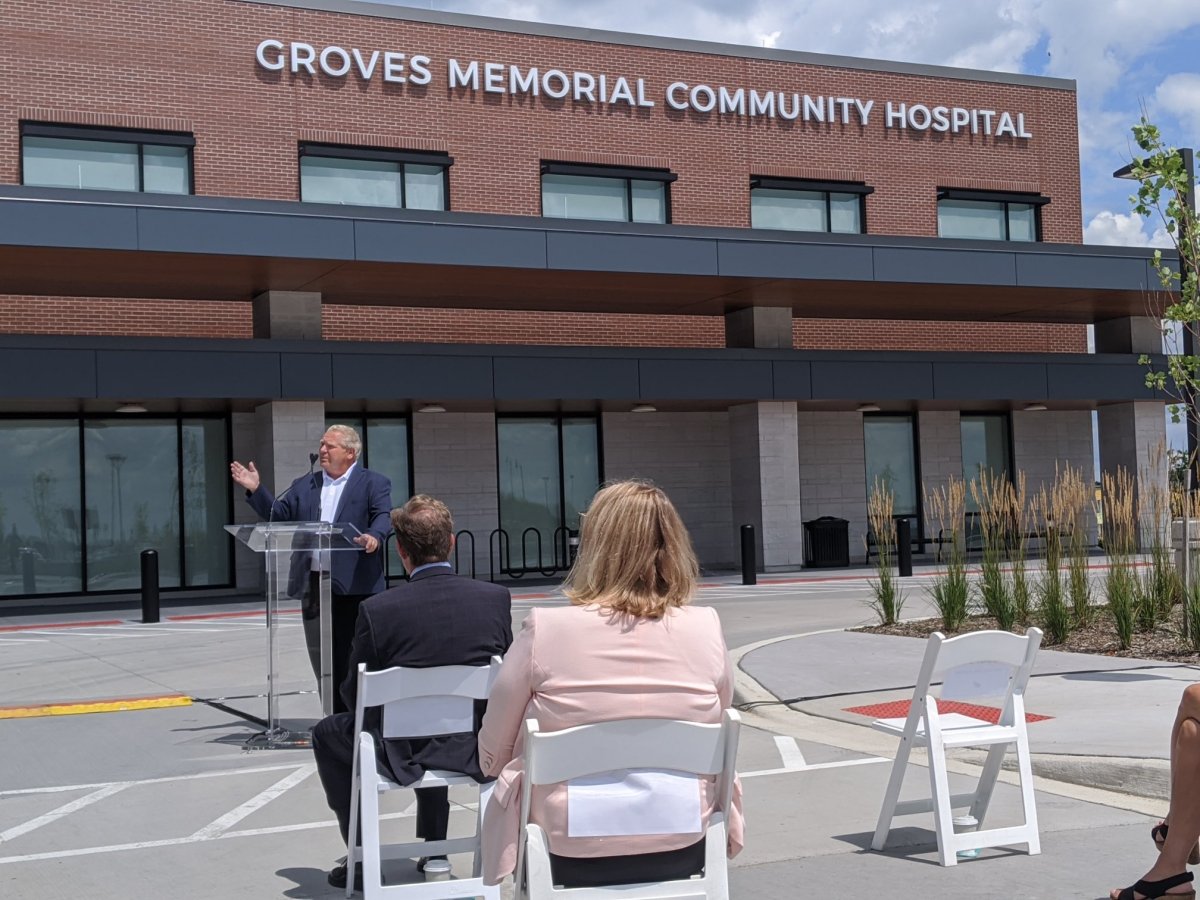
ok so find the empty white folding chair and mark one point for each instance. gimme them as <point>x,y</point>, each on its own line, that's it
<point>617,747</point>
<point>976,666</point>
<point>415,703</point>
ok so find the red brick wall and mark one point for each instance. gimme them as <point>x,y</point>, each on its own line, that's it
<point>140,318</point>
<point>189,65</point>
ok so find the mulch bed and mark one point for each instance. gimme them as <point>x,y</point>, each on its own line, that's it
<point>1100,637</point>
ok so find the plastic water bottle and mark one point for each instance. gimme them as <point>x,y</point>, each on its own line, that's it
<point>964,825</point>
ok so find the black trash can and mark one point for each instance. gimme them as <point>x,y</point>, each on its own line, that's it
<point>826,542</point>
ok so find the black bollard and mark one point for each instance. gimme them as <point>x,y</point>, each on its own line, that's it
<point>149,586</point>
<point>749,575</point>
<point>29,570</point>
<point>904,547</point>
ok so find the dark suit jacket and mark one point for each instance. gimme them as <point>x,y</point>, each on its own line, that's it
<point>366,503</point>
<point>436,619</point>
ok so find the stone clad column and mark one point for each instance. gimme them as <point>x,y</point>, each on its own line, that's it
<point>765,480</point>
<point>285,432</point>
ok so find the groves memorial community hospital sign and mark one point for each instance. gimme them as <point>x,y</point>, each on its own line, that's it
<point>585,87</point>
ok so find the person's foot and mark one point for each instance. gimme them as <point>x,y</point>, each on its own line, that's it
<point>1156,884</point>
<point>337,875</point>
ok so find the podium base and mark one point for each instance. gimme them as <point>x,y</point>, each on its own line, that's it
<point>280,739</point>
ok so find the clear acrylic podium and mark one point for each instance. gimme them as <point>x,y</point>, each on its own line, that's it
<point>299,624</point>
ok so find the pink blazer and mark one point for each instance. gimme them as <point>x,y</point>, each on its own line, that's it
<point>577,665</point>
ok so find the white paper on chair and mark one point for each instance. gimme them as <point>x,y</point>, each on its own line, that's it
<point>428,716</point>
<point>975,680</point>
<point>633,801</point>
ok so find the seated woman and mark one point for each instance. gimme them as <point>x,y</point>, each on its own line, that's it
<point>628,647</point>
<point>1176,836</point>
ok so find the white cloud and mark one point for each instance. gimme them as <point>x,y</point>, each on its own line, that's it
<point>1123,230</point>
<point>1179,95</point>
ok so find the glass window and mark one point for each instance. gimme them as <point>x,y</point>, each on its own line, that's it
<point>105,159</point>
<point>549,469</point>
<point>891,452</point>
<point>95,165</point>
<point>41,526</point>
<point>985,450</point>
<point>369,177</point>
<point>353,182</point>
<point>132,472</point>
<point>988,220</point>
<point>578,197</point>
<point>845,213</point>
<point>775,204</point>
<point>205,502</point>
<point>165,170</point>
<point>591,193</point>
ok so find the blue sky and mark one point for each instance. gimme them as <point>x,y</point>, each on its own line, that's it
<point>1123,54</point>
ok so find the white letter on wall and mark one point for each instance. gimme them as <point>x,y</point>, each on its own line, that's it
<point>274,65</point>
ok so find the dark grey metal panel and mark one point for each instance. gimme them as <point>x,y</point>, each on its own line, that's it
<point>144,374</point>
<point>1100,382</point>
<point>948,266</point>
<point>700,379</point>
<point>631,253</point>
<point>793,380</point>
<point>989,381</point>
<point>245,234</point>
<point>47,373</point>
<point>566,379</point>
<point>871,380</point>
<point>836,262</point>
<point>49,224</point>
<point>427,377</point>
<point>450,244</point>
<point>1061,270</point>
<point>303,375</point>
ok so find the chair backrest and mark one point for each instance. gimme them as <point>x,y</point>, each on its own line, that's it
<point>981,664</point>
<point>631,744</point>
<point>424,702</point>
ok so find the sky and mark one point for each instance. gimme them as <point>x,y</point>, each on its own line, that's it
<point>1125,55</point>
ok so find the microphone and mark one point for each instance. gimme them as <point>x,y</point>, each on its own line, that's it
<point>312,462</point>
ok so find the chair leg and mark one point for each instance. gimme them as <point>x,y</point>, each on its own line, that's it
<point>372,877</point>
<point>485,794</point>
<point>1025,767</point>
<point>943,815</point>
<point>890,796</point>
<point>987,782</point>
<point>353,854</point>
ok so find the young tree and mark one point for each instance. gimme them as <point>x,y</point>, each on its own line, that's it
<point>1167,192</point>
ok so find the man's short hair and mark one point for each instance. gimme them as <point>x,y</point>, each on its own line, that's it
<point>423,529</point>
<point>348,438</point>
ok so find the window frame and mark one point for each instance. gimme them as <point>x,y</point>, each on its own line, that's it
<point>828,188</point>
<point>616,173</point>
<point>109,135</point>
<point>1006,198</point>
<point>402,158</point>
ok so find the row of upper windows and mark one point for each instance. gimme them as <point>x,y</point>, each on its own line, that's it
<point>155,162</point>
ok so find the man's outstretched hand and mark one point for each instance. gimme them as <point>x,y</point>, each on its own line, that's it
<point>246,477</point>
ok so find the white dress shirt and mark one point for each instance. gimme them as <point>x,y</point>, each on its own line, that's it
<point>331,496</point>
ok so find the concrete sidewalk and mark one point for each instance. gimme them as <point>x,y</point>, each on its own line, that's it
<point>1110,719</point>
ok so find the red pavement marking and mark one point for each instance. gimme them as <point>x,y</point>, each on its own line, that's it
<point>61,625</point>
<point>240,614</point>
<point>899,708</point>
<point>534,596</point>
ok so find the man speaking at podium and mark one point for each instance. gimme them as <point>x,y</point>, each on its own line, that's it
<point>343,492</point>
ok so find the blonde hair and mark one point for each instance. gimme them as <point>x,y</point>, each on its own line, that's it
<point>635,555</point>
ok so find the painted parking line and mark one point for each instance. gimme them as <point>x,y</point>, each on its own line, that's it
<point>166,779</point>
<point>65,810</point>
<point>223,823</point>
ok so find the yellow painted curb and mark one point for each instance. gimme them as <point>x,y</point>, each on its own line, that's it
<point>98,706</point>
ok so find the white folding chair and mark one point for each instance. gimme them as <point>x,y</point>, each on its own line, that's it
<point>416,703</point>
<point>616,747</point>
<point>983,664</point>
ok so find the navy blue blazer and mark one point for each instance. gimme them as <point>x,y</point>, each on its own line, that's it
<point>436,619</point>
<point>366,503</point>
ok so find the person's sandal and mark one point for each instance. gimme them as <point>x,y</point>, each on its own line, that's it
<point>1158,834</point>
<point>1150,890</point>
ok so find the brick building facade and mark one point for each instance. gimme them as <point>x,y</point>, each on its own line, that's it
<point>741,339</point>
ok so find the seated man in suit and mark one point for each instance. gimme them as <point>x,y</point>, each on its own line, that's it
<point>438,618</point>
